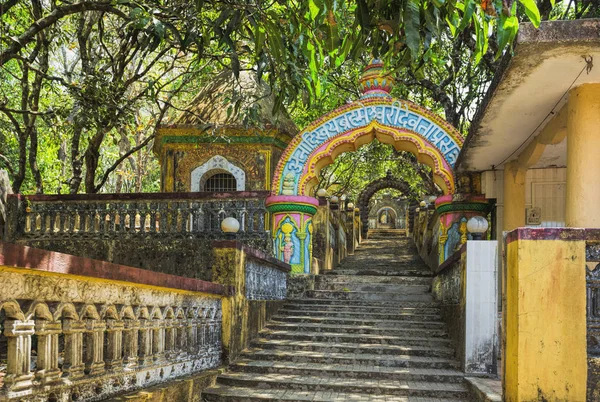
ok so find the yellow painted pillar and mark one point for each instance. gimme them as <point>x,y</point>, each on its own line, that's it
<point>583,163</point>
<point>514,196</point>
<point>544,313</point>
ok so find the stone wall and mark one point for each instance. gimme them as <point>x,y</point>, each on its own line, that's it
<point>466,287</point>
<point>80,329</point>
<point>244,318</point>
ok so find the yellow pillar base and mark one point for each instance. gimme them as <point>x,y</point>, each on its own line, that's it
<point>544,309</point>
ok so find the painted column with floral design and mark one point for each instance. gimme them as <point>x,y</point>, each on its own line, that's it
<point>292,230</point>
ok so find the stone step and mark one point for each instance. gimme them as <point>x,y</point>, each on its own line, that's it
<point>401,289</point>
<point>395,305</point>
<point>403,340</point>
<point>349,358</point>
<point>350,312</point>
<point>379,271</point>
<point>368,296</point>
<point>354,329</point>
<point>284,317</point>
<point>355,348</point>
<point>349,371</point>
<point>222,393</point>
<point>369,331</point>
<point>417,280</point>
<point>324,384</point>
<point>398,262</point>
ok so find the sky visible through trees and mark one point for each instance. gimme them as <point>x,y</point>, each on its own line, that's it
<point>84,84</point>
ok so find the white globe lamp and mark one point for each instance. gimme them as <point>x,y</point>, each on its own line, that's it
<point>477,226</point>
<point>322,193</point>
<point>230,226</point>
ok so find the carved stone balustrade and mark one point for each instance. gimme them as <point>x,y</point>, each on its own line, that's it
<point>112,215</point>
<point>265,281</point>
<point>69,336</point>
<point>165,232</point>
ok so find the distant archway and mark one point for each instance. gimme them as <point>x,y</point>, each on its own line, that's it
<point>391,218</point>
<point>389,181</point>
<point>376,115</point>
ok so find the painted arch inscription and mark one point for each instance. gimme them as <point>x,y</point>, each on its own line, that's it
<point>402,121</point>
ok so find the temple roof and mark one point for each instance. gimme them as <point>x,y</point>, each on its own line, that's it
<point>210,106</point>
<point>528,90</point>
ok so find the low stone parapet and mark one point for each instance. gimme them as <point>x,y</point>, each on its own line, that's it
<point>466,286</point>
<point>164,232</point>
<point>259,282</point>
<point>79,329</point>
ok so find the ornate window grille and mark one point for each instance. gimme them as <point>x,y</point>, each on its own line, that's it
<point>221,182</point>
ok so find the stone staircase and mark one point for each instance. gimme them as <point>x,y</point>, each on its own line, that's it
<point>370,331</point>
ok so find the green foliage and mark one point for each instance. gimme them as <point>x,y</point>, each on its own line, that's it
<point>353,171</point>
<point>83,85</point>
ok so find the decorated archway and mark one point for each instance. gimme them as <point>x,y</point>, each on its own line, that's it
<point>389,181</point>
<point>375,115</point>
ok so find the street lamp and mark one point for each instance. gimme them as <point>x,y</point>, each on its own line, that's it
<point>477,226</point>
<point>322,193</point>
<point>230,226</point>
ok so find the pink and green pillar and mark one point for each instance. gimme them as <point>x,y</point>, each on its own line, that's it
<point>454,210</point>
<point>292,230</point>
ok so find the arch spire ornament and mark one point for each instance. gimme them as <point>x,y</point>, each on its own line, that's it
<point>374,82</point>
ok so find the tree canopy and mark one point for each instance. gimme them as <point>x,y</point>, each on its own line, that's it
<point>84,84</point>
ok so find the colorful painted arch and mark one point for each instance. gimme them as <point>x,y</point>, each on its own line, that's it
<point>376,114</point>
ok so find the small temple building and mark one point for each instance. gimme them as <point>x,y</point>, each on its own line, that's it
<point>211,147</point>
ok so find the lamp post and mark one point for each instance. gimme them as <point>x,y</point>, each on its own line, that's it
<point>477,226</point>
<point>322,193</point>
<point>230,226</point>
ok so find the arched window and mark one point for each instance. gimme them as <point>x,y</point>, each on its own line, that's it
<point>220,183</point>
<point>218,174</point>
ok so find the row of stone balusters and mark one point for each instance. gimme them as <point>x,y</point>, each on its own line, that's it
<point>56,342</point>
<point>77,218</point>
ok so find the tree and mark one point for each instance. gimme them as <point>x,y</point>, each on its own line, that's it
<point>83,79</point>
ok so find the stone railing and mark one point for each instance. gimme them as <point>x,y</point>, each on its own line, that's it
<point>115,215</point>
<point>80,329</point>
<point>165,232</point>
<point>592,258</point>
<point>265,281</point>
<point>259,282</point>
<point>426,235</point>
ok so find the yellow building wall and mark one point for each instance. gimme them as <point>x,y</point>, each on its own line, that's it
<point>544,188</point>
<point>545,352</point>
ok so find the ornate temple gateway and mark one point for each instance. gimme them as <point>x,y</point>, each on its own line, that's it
<point>375,115</point>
